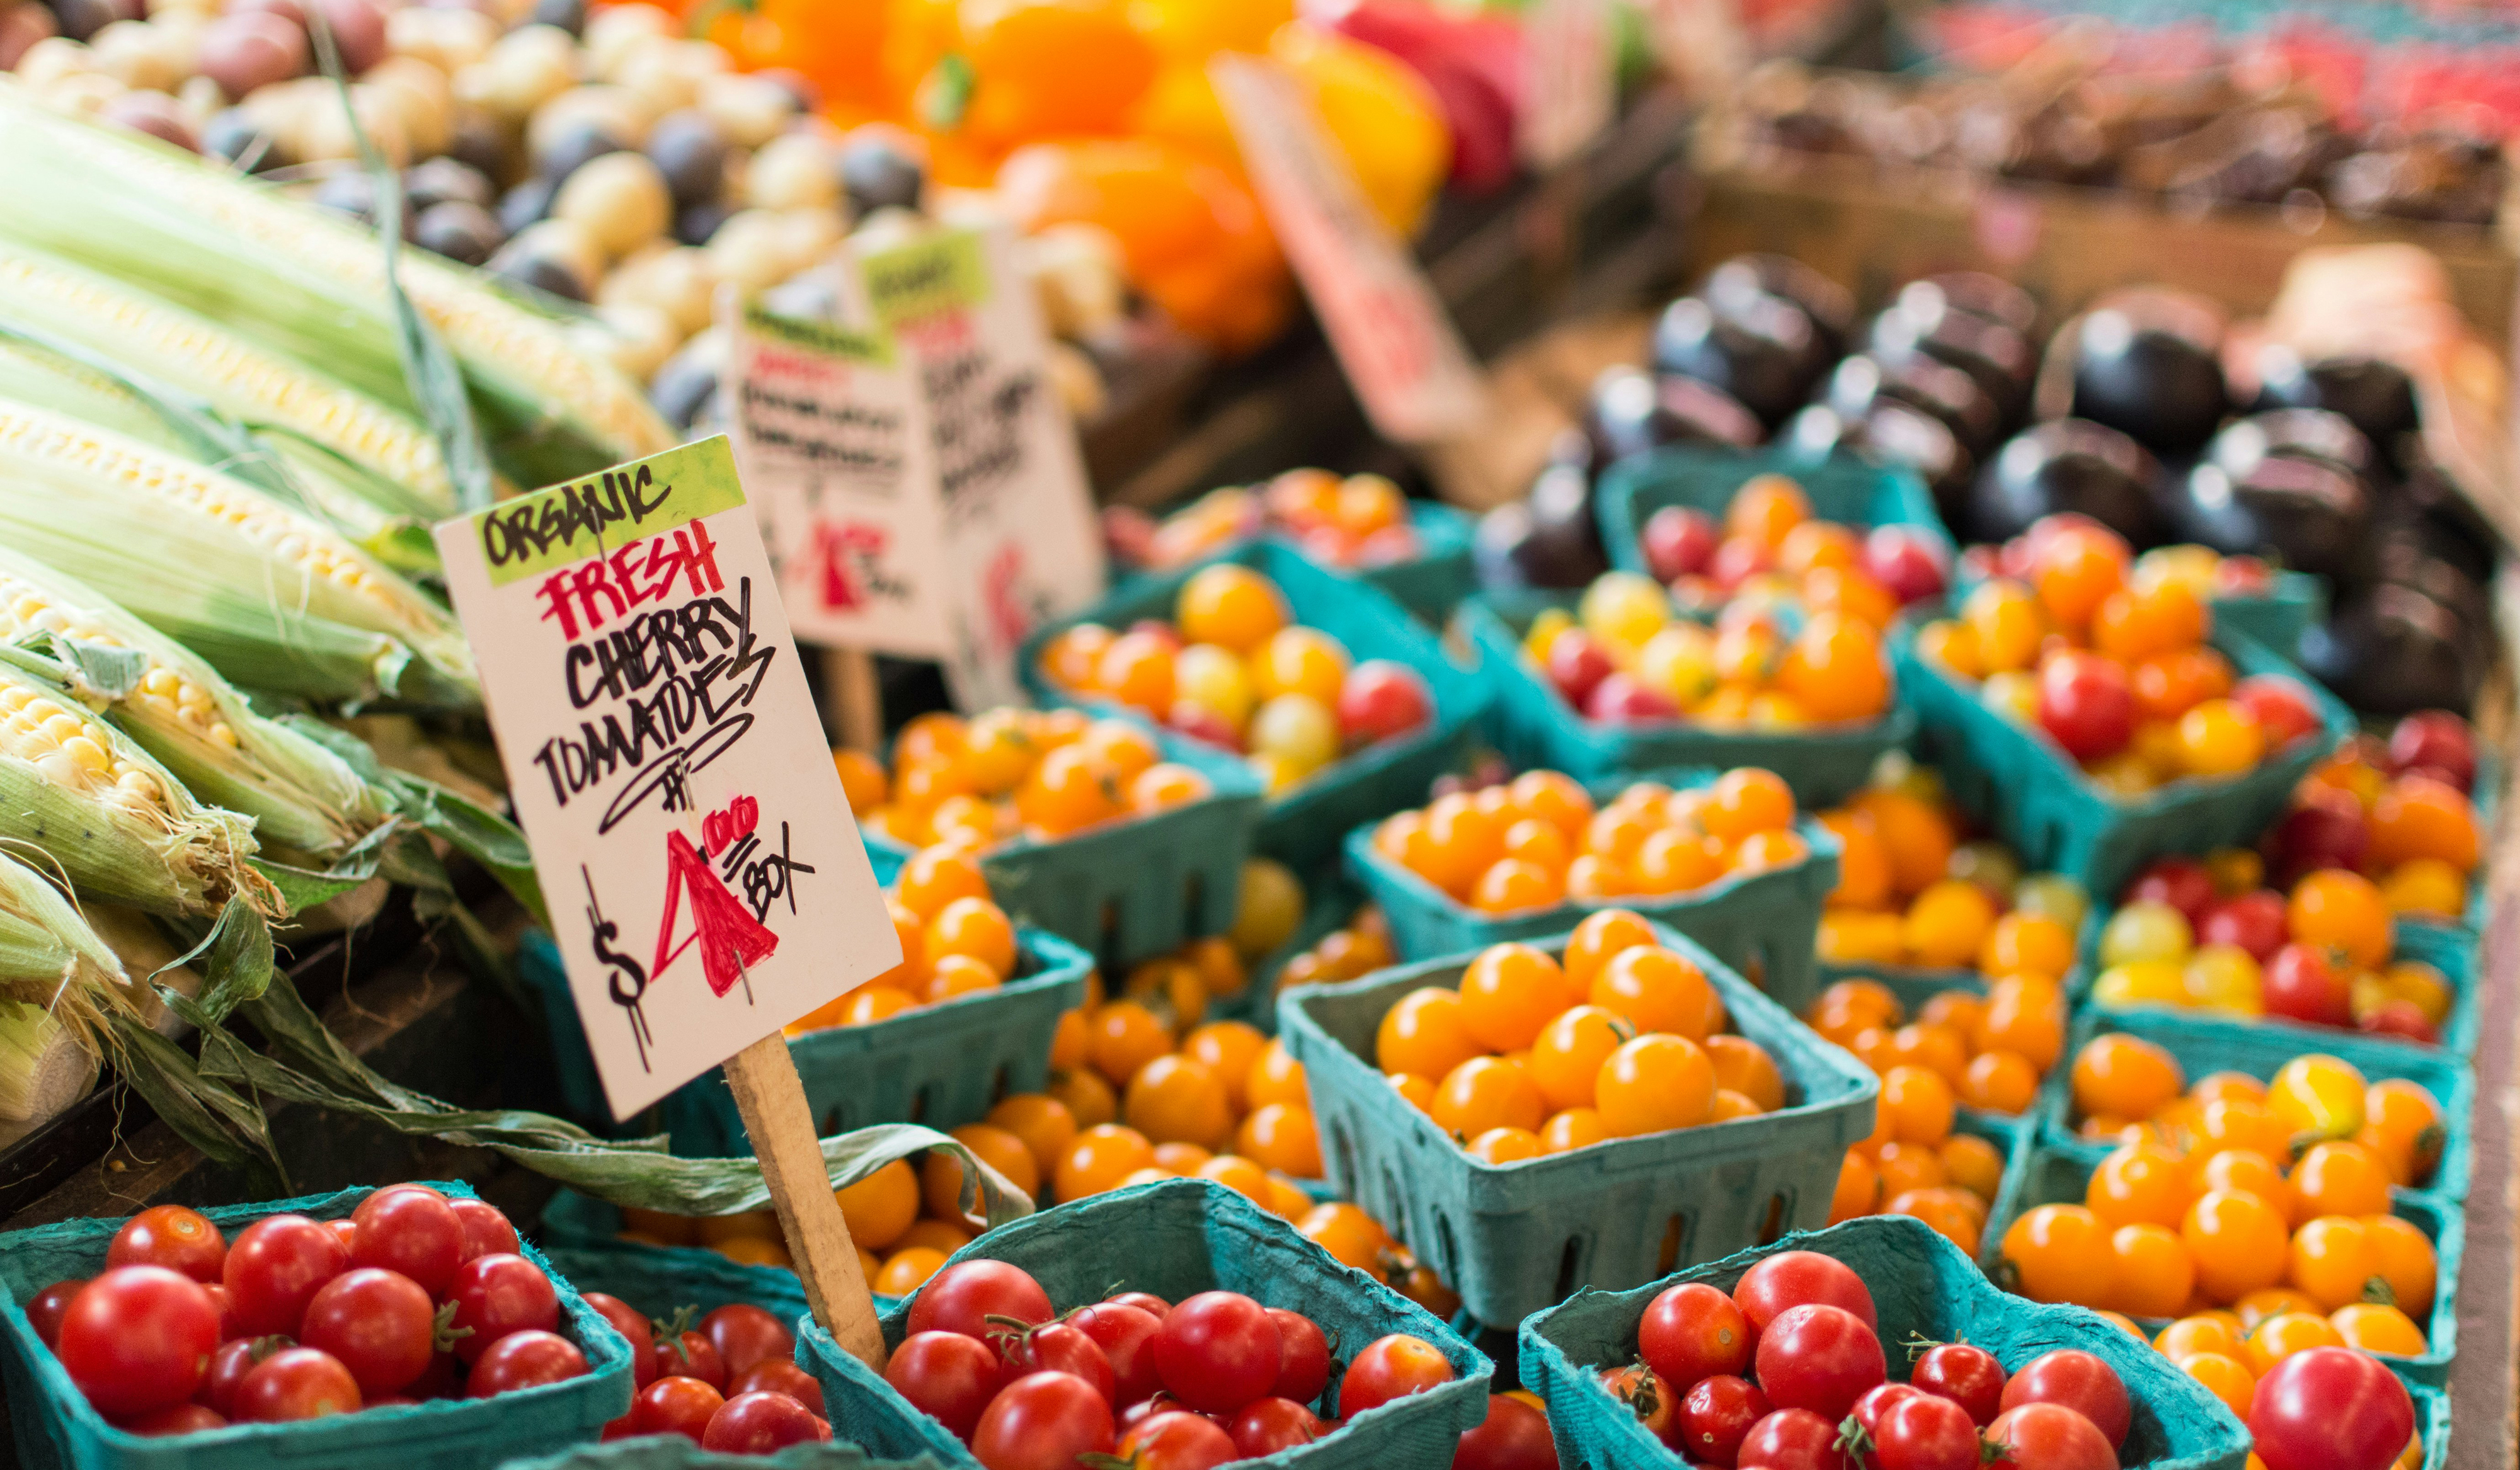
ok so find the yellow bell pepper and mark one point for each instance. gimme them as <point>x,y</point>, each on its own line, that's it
<point>1192,31</point>
<point>1382,115</point>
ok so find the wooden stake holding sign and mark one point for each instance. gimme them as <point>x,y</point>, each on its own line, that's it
<point>707,884</point>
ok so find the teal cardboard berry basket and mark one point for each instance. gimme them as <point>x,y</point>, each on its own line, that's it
<point>2204,1045</point>
<point>1428,584</point>
<point>1842,488</point>
<point>1535,726</point>
<point>2278,616</point>
<point>674,1452</point>
<point>56,1427</point>
<point>1302,826</point>
<point>1760,923</point>
<point>1177,1238</point>
<point>1130,890</point>
<point>2034,796</point>
<point>1513,1238</point>
<point>1921,1284</point>
<point>2061,1174</point>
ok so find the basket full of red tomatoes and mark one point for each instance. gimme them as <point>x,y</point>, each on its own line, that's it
<point>406,1325</point>
<point>1874,1343</point>
<point>1173,1322</point>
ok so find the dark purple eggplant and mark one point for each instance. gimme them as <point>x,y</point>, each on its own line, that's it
<point>2392,651</point>
<point>1764,352</point>
<point>2262,491</point>
<point>1631,413</point>
<point>1891,434</point>
<point>1930,325</point>
<point>1550,538</point>
<point>2066,464</point>
<point>1975,292</point>
<point>2150,374</point>
<point>1920,382</point>
<point>1829,305</point>
<point>2377,397</point>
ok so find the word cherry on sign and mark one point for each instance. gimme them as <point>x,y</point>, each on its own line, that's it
<point>721,830</point>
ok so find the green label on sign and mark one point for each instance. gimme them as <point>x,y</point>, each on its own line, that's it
<point>593,516</point>
<point>817,337</point>
<point>947,272</point>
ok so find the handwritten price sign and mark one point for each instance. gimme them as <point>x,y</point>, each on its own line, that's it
<point>707,882</point>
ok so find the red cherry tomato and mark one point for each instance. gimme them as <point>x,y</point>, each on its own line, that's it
<point>1792,1439</point>
<point>1144,1300</point>
<point>182,1240</point>
<point>345,1232</point>
<point>1647,1395</point>
<point>2052,1437</point>
<point>964,1296</point>
<point>1921,1432</point>
<point>744,1334</point>
<point>2301,984</point>
<point>1391,1367</point>
<point>1790,1278</point>
<point>1266,1426</point>
<point>1968,1376</point>
<point>498,1294</point>
<point>1176,1441</point>
<point>1716,1416</point>
<point>1043,1422</point>
<point>2085,704</point>
<point>2283,708</point>
<point>413,1230</point>
<point>1122,1332</point>
<point>1381,700</point>
<point>947,1376</point>
<point>1878,1400</point>
<point>138,1339</point>
<point>635,1329</point>
<point>2254,921</point>
<point>1515,1436</point>
<point>227,1368</point>
<point>182,1418</point>
<point>2081,1382</point>
<point>45,1307</point>
<point>1303,1356</point>
<point>762,1423</point>
<point>1217,1351</point>
<point>692,1355</point>
<point>1054,1347</point>
<point>2180,882</point>
<point>274,1268</point>
<point>528,1357</point>
<point>2330,1408</point>
<point>220,1299</point>
<point>486,1230</point>
<point>779,1376</point>
<point>379,1323</point>
<point>297,1383</point>
<point>1694,1332</point>
<point>674,1404</point>
<point>1819,1358</point>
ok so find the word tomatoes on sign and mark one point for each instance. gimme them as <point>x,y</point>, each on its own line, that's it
<point>668,764</point>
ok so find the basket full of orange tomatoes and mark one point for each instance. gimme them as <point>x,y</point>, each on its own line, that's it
<point>1586,1110</point>
<point>1724,858</point>
<point>1753,636</point>
<point>2095,715</point>
<point>1341,704</point>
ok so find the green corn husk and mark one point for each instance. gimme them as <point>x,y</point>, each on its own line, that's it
<point>60,983</point>
<point>308,284</point>
<point>44,1067</point>
<point>300,795</point>
<point>126,324</point>
<point>273,599</point>
<point>106,816</point>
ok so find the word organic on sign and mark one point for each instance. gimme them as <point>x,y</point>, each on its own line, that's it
<point>832,435</point>
<point>666,763</point>
<point>1019,541</point>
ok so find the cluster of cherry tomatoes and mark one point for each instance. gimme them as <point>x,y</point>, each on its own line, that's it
<point>2130,1090</point>
<point>955,942</point>
<point>1537,841</point>
<point>1786,1372</point>
<point>1339,520</point>
<point>2205,571</point>
<point>2109,658</point>
<point>1013,773</point>
<point>1214,1378</point>
<point>2206,935</point>
<point>1991,1049</point>
<point>728,1383</point>
<point>1909,892</point>
<point>1531,1055</point>
<point>413,1297</point>
<point>1351,952</point>
<point>2397,812</point>
<point>1233,669</point>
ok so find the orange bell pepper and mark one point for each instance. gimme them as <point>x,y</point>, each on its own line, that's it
<point>1192,237</point>
<point>1048,68</point>
<point>838,47</point>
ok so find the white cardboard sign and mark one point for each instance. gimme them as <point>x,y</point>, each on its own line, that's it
<point>1570,70</point>
<point>1393,338</point>
<point>831,433</point>
<point>1018,538</point>
<point>706,882</point>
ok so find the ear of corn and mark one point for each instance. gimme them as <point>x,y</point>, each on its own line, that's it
<point>309,285</point>
<point>300,795</point>
<point>252,383</point>
<point>271,598</point>
<point>105,815</point>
